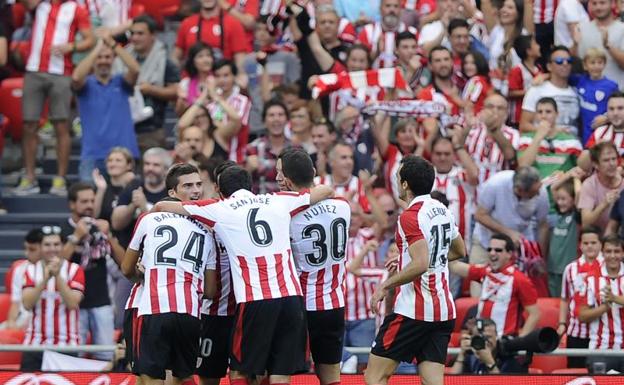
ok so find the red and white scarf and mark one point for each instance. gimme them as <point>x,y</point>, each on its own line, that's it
<point>402,108</point>
<point>385,77</point>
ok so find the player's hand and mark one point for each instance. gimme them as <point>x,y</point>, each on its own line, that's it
<point>377,297</point>
<point>99,180</point>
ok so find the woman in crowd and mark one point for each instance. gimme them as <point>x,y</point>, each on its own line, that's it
<point>198,68</point>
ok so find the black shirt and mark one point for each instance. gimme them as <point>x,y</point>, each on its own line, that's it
<point>110,201</point>
<point>126,197</point>
<point>172,75</point>
<point>310,65</point>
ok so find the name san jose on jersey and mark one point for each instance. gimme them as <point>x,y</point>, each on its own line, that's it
<point>318,237</point>
<point>176,251</point>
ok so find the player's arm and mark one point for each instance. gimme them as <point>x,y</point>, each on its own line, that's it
<point>129,263</point>
<point>210,283</point>
<point>459,268</point>
<point>170,207</point>
<point>317,193</point>
<point>458,249</point>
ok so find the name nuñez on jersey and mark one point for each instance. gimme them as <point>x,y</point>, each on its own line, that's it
<point>319,209</point>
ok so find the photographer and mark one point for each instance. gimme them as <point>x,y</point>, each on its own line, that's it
<point>479,353</point>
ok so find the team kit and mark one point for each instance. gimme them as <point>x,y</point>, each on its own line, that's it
<point>255,283</point>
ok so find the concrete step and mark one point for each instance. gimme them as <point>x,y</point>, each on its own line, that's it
<point>49,165</point>
<point>7,257</point>
<point>40,203</point>
<point>27,221</point>
<point>12,239</point>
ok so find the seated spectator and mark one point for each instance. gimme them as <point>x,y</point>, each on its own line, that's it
<point>486,360</point>
<point>301,126</point>
<point>48,71</point>
<point>120,172</point>
<point>573,284</point>
<point>602,189</point>
<point>613,131</point>
<point>506,292</point>
<point>198,68</point>
<point>262,153</point>
<point>19,317</point>
<point>600,304</point>
<point>521,76</point>
<point>513,203</point>
<point>53,289</point>
<point>103,105</point>
<point>476,70</point>
<point>324,137</point>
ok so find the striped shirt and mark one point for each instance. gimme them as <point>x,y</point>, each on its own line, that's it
<point>486,153</point>
<point>573,282</point>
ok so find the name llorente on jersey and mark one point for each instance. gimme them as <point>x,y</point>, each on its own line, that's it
<point>263,200</point>
<point>319,209</point>
<point>163,216</point>
<point>435,211</point>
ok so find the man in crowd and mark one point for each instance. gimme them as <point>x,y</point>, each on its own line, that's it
<point>613,131</point>
<point>324,137</point>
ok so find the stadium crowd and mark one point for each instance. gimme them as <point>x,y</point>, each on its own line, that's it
<point>518,105</point>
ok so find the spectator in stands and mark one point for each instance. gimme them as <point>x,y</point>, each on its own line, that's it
<point>103,105</point>
<point>606,32</point>
<point>386,234</point>
<point>559,66</point>
<point>458,32</point>
<point>515,204</point>
<point>138,197</point>
<point>48,71</point>
<point>354,130</point>
<point>89,244</point>
<point>53,289</point>
<point>522,75</point>
<point>18,316</point>
<point>490,142</point>
<point>486,360</point>
<point>506,292</point>
<point>301,126</point>
<point>600,306</point>
<point>157,82</point>
<point>324,137</point>
<point>217,28</point>
<point>262,153</point>
<point>612,131</point>
<point>573,284</point>
<point>478,86</point>
<point>198,68</point>
<point>549,149</point>
<point>120,172</point>
<point>602,189</point>
<point>569,14</point>
<point>246,12</point>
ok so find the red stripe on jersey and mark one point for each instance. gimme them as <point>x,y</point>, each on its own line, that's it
<point>263,275</point>
<point>334,286</point>
<point>279,271</point>
<point>450,305</point>
<point>188,296</point>
<point>138,336</point>
<point>68,319</point>
<point>293,279</point>
<point>55,331</point>
<point>153,286</point>
<point>203,220</point>
<point>238,334</point>
<point>392,332</point>
<point>298,210</point>
<point>214,306</point>
<point>246,280</point>
<point>231,301</point>
<point>44,306</point>
<point>320,279</point>
<point>304,283</point>
<point>171,292</point>
<point>44,62</point>
<point>462,215</point>
<point>434,296</point>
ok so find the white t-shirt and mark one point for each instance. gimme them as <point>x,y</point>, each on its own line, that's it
<point>567,103</point>
<point>568,11</point>
<point>495,42</point>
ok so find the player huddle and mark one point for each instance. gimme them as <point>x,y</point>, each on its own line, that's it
<point>255,278</point>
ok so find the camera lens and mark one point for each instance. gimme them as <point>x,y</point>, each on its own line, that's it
<point>477,342</point>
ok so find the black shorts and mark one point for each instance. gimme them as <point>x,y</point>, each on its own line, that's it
<point>326,334</point>
<point>129,322</point>
<point>402,339</point>
<point>214,346</point>
<point>269,336</point>
<point>166,341</point>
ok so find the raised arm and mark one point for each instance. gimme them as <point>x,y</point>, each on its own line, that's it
<point>317,194</point>
<point>381,132</point>
<point>83,69</point>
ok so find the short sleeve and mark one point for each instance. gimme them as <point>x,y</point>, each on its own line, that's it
<point>210,251</point>
<point>527,293</point>
<point>529,102</point>
<point>567,287</point>
<point>515,80</point>
<point>77,282</point>
<point>138,234</point>
<point>476,273</point>
<point>294,201</point>
<point>82,19</point>
<point>17,282</point>
<point>410,226</point>
<point>586,195</point>
<point>487,196</point>
<point>29,277</point>
<point>205,211</point>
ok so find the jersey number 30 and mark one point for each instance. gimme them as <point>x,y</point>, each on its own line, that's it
<point>193,249</point>
<point>338,239</point>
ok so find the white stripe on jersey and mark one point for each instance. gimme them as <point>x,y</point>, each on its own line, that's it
<point>607,331</point>
<point>225,304</point>
<point>461,197</point>
<point>574,282</point>
<point>360,289</point>
<point>485,151</point>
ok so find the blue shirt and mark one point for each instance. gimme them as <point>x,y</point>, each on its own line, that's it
<point>105,117</point>
<point>351,9</point>
<point>593,95</point>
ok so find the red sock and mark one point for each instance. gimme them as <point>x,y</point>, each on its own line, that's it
<point>265,381</point>
<point>189,381</point>
<point>238,381</point>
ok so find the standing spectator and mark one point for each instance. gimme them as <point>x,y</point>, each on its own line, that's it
<point>324,137</point>
<point>573,284</point>
<point>157,81</point>
<point>491,143</point>
<point>477,88</point>
<point>89,245</point>
<point>53,290</point>
<point>559,66</point>
<point>568,16</point>
<point>354,130</point>
<point>245,11</point>
<point>507,292</point>
<point>458,31</point>
<point>521,76</point>
<point>215,27</point>
<point>602,189</point>
<point>513,203</point>
<point>613,131</point>
<point>103,105</point>
<point>262,153</point>
<point>18,316</point>
<point>606,32</point>
<point>543,18</point>
<point>120,172</point>
<point>198,68</point>
<point>48,71</point>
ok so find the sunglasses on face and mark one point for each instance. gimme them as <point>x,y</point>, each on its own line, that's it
<point>562,60</point>
<point>49,230</point>
<point>495,249</point>
<point>390,212</point>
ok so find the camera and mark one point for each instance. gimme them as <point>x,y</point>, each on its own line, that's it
<point>478,341</point>
<point>543,340</point>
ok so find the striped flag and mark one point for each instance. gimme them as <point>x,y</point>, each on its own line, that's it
<point>385,77</point>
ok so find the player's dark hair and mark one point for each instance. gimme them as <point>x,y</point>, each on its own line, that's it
<point>457,23</point>
<point>220,168</point>
<point>418,173</point>
<point>176,171</point>
<point>170,199</point>
<point>613,240</point>
<point>405,35</point>
<point>548,100</point>
<point>297,166</point>
<point>509,244</point>
<point>208,165</point>
<point>483,68</point>
<point>34,236</point>
<point>440,197</point>
<point>591,230</point>
<point>146,19</point>
<point>74,189</point>
<point>438,48</point>
<point>596,150</point>
<point>233,179</point>
<point>522,44</point>
<point>195,49</point>
<point>225,63</point>
<point>273,103</point>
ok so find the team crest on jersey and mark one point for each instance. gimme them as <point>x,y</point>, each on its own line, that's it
<point>216,30</point>
<point>599,95</point>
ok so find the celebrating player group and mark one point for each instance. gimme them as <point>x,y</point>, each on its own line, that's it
<point>248,282</point>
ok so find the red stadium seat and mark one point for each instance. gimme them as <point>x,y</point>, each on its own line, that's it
<point>570,371</point>
<point>454,341</point>
<point>549,312</point>
<point>549,363</point>
<point>8,278</point>
<point>11,360</point>
<point>11,104</point>
<point>136,10</point>
<point>5,304</point>
<point>462,305</point>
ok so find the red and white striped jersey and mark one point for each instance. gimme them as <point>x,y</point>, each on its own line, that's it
<point>607,332</point>
<point>255,229</point>
<point>176,252</point>
<point>422,7</point>
<point>52,322</point>
<point>225,305</point>
<point>342,190</point>
<point>318,238</point>
<point>110,12</point>
<point>391,163</point>
<point>360,288</point>
<point>573,282</point>
<point>504,295</point>
<point>373,35</point>
<point>461,197</point>
<point>485,151</point>
<point>242,105</point>
<point>428,298</point>
<point>544,11</point>
<point>135,294</point>
<point>607,133</point>
<point>434,94</point>
<point>519,79</point>
<point>476,90</point>
<point>55,23</point>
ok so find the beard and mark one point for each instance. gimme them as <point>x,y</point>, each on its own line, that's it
<point>391,21</point>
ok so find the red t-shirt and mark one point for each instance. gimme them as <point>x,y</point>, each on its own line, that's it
<point>211,34</point>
